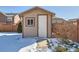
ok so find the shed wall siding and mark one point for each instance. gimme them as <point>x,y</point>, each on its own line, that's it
<point>32,31</point>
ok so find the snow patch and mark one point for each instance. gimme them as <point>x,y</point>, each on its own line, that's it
<point>31,48</point>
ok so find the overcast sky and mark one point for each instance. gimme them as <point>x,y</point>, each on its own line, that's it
<point>66,12</point>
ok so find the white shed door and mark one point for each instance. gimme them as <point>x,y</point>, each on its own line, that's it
<point>42,26</point>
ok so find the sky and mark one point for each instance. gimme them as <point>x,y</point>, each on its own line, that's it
<point>66,12</point>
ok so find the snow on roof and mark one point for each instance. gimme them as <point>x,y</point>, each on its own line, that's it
<point>8,13</point>
<point>11,13</point>
<point>75,19</point>
<point>57,20</point>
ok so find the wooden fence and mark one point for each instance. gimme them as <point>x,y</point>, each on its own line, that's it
<point>70,29</point>
<point>8,27</point>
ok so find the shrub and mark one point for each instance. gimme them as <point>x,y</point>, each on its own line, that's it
<point>19,29</point>
<point>66,41</point>
<point>64,36</point>
<point>58,35</point>
<point>61,49</point>
<point>77,50</point>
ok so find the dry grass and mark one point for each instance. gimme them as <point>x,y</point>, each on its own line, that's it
<point>42,44</point>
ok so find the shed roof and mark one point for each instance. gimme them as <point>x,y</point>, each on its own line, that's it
<point>34,8</point>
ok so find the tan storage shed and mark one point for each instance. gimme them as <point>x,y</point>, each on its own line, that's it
<point>37,22</point>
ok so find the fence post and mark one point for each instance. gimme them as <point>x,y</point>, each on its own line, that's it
<point>77,30</point>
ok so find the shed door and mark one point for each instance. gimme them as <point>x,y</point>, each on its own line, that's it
<point>42,26</point>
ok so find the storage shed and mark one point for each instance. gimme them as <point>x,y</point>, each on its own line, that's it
<point>37,22</point>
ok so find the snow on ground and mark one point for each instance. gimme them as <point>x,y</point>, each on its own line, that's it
<point>31,48</point>
<point>13,42</point>
<point>54,41</point>
<point>57,42</point>
<point>52,44</point>
<point>9,33</point>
